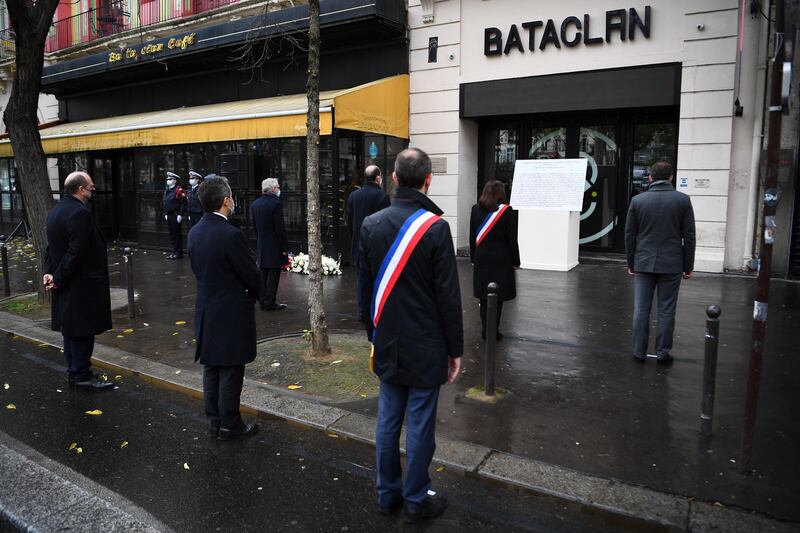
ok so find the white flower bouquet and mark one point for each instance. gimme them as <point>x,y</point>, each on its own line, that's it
<point>298,263</point>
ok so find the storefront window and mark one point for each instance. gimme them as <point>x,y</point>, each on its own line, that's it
<point>499,155</point>
<point>292,165</point>
<point>651,143</point>
<point>393,147</point>
<point>598,145</point>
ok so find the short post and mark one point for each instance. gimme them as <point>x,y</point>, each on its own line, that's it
<point>491,336</point>
<point>127,255</point>
<point>710,369</point>
<point>4,254</point>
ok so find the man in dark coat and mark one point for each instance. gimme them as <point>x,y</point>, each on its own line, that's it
<point>174,203</point>
<point>224,318</point>
<point>419,338</point>
<point>194,207</point>
<point>272,247</point>
<point>362,203</point>
<point>76,274</point>
<point>659,242</point>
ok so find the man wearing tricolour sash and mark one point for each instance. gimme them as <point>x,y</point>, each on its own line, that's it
<point>409,280</point>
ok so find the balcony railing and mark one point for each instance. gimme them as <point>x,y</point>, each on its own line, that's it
<point>119,16</point>
<point>8,47</point>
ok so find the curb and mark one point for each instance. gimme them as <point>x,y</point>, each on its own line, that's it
<point>635,504</point>
<point>39,494</point>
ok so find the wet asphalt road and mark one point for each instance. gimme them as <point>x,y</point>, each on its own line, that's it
<point>285,479</point>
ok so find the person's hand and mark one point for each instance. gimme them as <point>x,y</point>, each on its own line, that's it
<point>47,281</point>
<point>687,275</point>
<point>631,272</point>
<point>453,368</point>
<point>166,217</point>
<point>179,218</point>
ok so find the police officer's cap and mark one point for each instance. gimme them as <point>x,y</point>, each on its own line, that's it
<point>172,176</point>
<point>195,175</point>
<point>212,175</point>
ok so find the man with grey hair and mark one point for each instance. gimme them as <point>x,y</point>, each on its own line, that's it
<point>272,247</point>
<point>224,318</point>
<point>76,274</point>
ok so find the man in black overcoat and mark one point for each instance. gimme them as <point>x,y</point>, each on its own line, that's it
<point>272,247</point>
<point>418,341</point>
<point>362,203</point>
<point>76,274</point>
<point>659,242</point>
<point>224,320</point>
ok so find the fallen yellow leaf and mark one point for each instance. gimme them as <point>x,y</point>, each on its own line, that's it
<point>439,469</point>
<point>174,333</point>
<point>186,466</point>
<point>333,435</point>
<point>117,377</point>
<point>120,336</point>
<point>180,322</point>
<point>6,386</point>
<point>336,362</point>
<point>11,406</point>
<point>95,412</point>
<point>72,446</point>
<point>124,444</point>
<point>129,330</point>
<point>294,387</point>
<point>79,450</point>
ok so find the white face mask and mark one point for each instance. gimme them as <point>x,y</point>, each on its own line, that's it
<point>170,183</point>
<point>278,193</point>
<point>193,182</point>
<point>233,208</point>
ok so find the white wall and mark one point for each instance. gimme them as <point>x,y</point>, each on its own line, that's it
<point>702,35</point>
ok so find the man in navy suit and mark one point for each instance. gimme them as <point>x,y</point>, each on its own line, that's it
<point>224,320</point>
<point>76,274</point>
<point>272,247</point>
<point>362,203</point>
<point>660,244</point>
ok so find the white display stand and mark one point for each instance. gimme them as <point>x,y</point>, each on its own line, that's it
<point>548,194</point>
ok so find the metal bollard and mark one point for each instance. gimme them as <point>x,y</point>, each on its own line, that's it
<point>4,254</point>
<point>710,369</point>
<point>127,254</point>
<point>491,336</point>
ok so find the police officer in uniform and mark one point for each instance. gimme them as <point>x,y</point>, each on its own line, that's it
<point>195,209</point>
<point>174,208</point>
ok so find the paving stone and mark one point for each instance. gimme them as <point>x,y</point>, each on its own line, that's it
<point>605,494</point>
<point>459,454</point>
<point>709,518</point>
<point>291,408</point>
<point>93,515</point>
<point>355,426</point>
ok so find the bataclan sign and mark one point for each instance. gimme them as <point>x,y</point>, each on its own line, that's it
<point>573,31</point>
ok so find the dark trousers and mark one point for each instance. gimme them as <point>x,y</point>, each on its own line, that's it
<point>419,405</point>
<point>175,236</point>
<point>645,284</point>
<point>270,277</point>
<point>483,304</point>
<point>222,390</point>
<point>78,353</point>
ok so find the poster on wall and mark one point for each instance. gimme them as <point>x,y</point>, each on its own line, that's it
<point>549,184</point>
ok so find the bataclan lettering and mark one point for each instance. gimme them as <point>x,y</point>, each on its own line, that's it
<point>619,23</point>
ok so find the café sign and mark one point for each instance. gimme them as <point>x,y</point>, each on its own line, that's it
<point>622,24</point>
<point>150,49</point>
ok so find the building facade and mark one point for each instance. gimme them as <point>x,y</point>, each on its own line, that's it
<point>494,81</point>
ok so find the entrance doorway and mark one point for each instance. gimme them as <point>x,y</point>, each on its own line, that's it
<point>620,148</point>
<point>115,193</point>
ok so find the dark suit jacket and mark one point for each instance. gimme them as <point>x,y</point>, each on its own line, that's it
<point>78,260</point>
<point>496,257</point>
<point>228,284</point>
<point>360,204</point>
<point>271,242</point>
<point>421,323</point>
<point>659,232</point>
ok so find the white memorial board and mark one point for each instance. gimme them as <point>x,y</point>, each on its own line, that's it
<point>549,184</point>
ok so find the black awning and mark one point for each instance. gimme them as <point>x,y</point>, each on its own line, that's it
<point>645,86</point>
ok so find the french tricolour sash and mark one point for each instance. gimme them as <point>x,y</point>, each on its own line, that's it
<point>396,258</point>
<point>489,222</point>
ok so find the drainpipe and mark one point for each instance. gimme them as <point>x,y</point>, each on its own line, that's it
<point>749,261</point>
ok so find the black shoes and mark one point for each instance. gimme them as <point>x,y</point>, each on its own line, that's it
<point>92,383</point>
<point>213,431</point>
<point>393,507</point>
<point>173,257</point>
<point>245,430</point>
<point>432,507</point>
<point>273,307</point>
<point>639,358</point>
<point>498,337</point>
<point>664,359</point>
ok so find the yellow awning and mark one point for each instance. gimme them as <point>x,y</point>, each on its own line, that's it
<point>378,107</point>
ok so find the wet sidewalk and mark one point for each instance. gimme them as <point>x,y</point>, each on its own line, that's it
<point>577,399</point>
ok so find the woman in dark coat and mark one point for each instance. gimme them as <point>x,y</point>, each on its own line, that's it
<point>493,248</point>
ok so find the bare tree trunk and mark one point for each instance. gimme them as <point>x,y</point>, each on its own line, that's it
<point>31,22</point>
<point>320,344</point>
